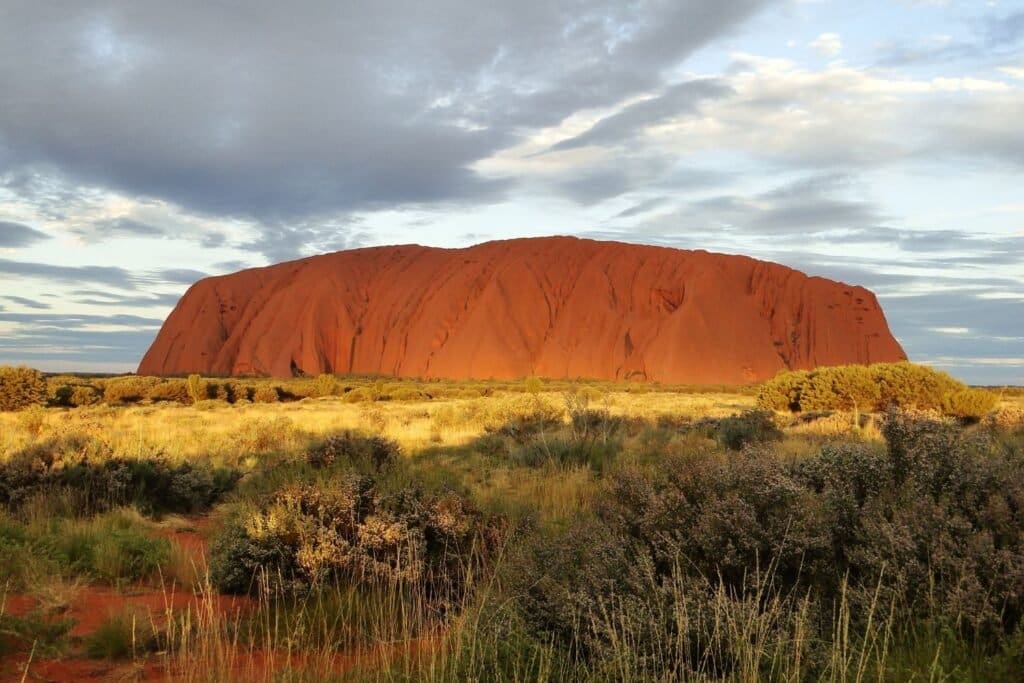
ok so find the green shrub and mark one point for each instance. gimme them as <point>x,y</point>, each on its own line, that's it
<point>367,453</point>
<point>128,389</point>
<point>751,427</point>
<point>407,394</point>
<point>172,391</point>
<point>844,387</point>
<point>359,395</point>
<point>326,385</point>
<point>99,481</point>
<point>85,395</point>
<point>266,394</point>
<point>60,395</point>
<point>525,428</point>
<point>121,636</point>
<point>969,405</point>
<point>21,388</point>
<point>220,391</point>
<point>927,530</point>
<point>911,386</point>
<point>858,387</point>
<point>348,530</point>
<point>598,454</point>
<point>35,632</point>
<point>783,392</point>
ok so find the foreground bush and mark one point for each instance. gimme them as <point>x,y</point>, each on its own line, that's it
<point>367,453</point>
<point>98,481</point>
<point>931,529</point>
<point>349,530</point>
<point>751,427</point>
<point>969,405</point>
<point>124,390</point>
<point>873,388</point>
<point>21,388</point>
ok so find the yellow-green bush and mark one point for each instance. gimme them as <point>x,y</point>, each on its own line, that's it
<point>85,395</point>
<point>265,394</point>
<point>913,386</point>
<point>171,391</point>
<point>21,387</point>
<point>869,387</point>
<point>844,387</point>
<point>782,392</point>
<point>128,389</point>
<point>969,404</point>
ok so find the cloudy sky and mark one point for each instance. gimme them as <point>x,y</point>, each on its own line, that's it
<point>145,144</point>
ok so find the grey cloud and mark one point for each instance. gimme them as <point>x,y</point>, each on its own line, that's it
<point>643,207</point>
<point>28,303</point>
<point>179,276</point>
<point>285,242</point>
<point>96,298</point>
<point>627,174</point>
<point>991,38</point>
<point>105,275</point>
<point>1008,30</point>
<point>73,321</point>
<point>619,128</point>
<point>54,343</point>
<point>212,240</point>
<point>277,113</point>
<point>118,227</point>
<point>14,235</point>
<point>802,207</point>
<point>231,266</point>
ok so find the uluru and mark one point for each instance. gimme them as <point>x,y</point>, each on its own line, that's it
<point>551,307</point>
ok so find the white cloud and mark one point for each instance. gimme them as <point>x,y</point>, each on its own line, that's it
<point>827,44</point>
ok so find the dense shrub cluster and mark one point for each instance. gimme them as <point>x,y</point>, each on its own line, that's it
<point>21,388</point>
<point>1007,418</point>
<point>366,453</point>
<point>751,427</point>
<point>524,429</point>
<point>873,388</point>
<point>969,404</point>
<point>128,389</point>
<point>931,527</point>
<point>98,481</point>
<point>351,530</point>
<point>71,392</point>
<point>172,391</point>
<point>112,547</point>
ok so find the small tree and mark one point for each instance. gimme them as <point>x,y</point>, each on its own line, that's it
<point>21,388</point>
<point>326,385</point>
<point>196,388</point>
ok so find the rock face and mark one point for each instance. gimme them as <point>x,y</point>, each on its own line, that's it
<point>553,307</point>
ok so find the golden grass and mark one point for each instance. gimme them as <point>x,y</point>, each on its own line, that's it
<point>223,432</point>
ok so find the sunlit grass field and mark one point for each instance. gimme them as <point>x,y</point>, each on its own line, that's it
<point>594,532</point>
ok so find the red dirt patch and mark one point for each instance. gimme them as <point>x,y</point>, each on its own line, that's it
<point>96,604</point>
<point>84,670</point>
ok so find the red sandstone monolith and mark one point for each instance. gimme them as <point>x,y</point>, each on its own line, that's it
<point>553,307</point>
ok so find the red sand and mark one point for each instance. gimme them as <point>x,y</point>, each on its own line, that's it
<point>93,604</point>
<point>553,307</point>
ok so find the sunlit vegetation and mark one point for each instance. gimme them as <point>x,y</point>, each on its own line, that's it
<point>340,528</point>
